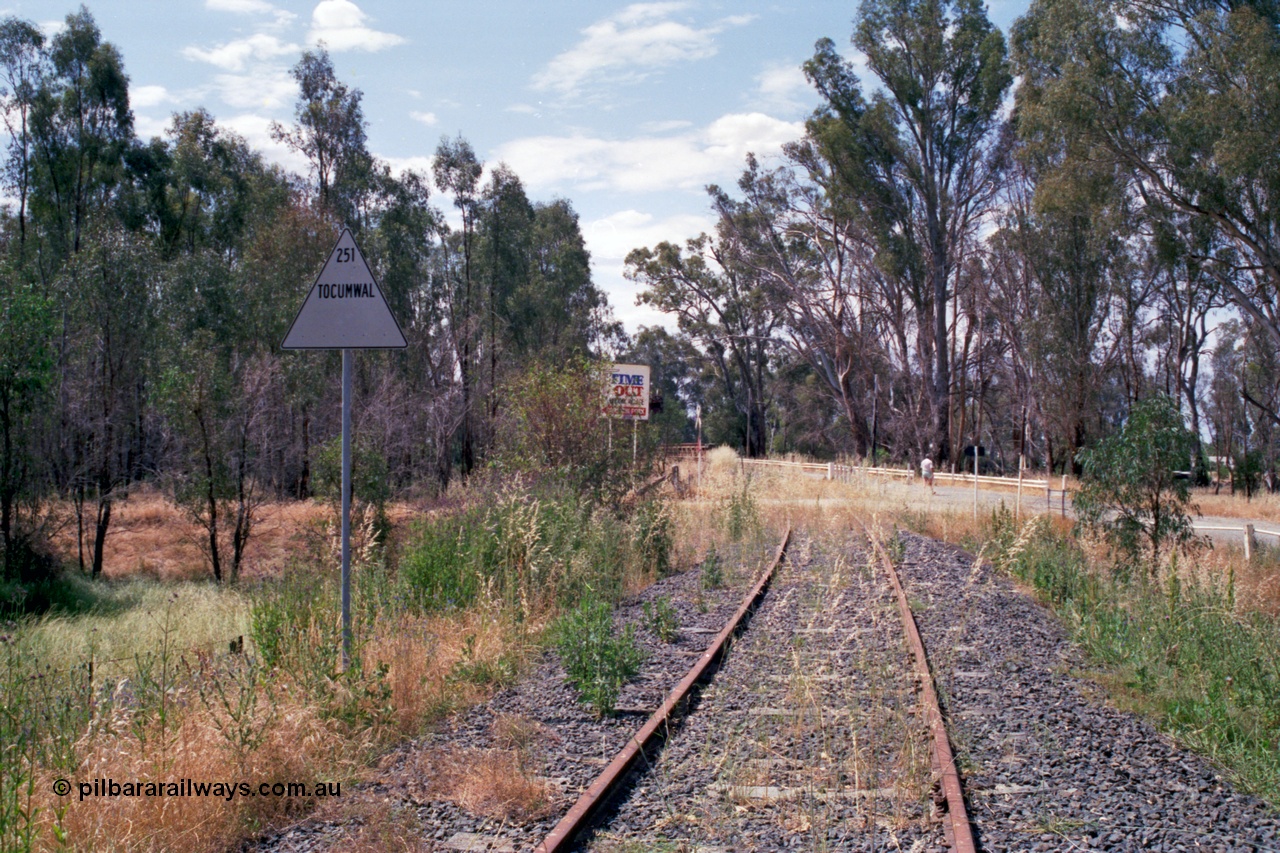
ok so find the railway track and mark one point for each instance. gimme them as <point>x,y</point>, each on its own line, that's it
<point>818,732</point>
<point>813,734</point>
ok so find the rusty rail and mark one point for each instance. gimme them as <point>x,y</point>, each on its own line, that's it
<point>959,830</point>
<point>564,832</point>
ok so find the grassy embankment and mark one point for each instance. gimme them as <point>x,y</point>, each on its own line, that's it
<point>449,605</point>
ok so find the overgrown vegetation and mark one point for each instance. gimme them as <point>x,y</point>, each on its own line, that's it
<point>1130,492</point>
<point>596,656</point>
<point>1171,645</point>
<point>661,620</point>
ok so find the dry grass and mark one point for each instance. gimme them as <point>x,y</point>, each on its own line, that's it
<point>283,737</point>
<point>495,783</point>
<point>1263,506</point>
<point>296,746</point>
<point>151,537</point>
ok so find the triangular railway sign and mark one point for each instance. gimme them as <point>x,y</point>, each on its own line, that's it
<point>345,308</point>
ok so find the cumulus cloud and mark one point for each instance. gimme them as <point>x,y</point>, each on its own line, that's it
<point>429,119</point>
<point>144,97</point>
<point>613,237</point>
<point>256,130</point>
<point>648,163</point>
<point>626,46</point>
<point>340,24</point>
<point>609,240</point>
<point>235,55</point>
<point>251,7</point>
<point>268,89</point>
<point>783,87</point>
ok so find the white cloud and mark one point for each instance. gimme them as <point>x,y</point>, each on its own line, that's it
<point>611,238</point>
<point>614,236</point>
<point>399,165</point>
<point>256,130</point>
<point>783,87</point>
<point>234,55</point>
<point>665,126</point>
<point>266,89</point>
<point>144,97</point>
<point>622,47</point>
<point>239,7</point>
<point>251,7</point>
<point>429,119</point>
<point>647,163</point>
<point>147,127</point>
<point>340,25</point>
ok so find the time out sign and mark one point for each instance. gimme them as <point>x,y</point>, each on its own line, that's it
<point>627,396</point>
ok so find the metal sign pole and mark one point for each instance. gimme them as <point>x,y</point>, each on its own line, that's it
<point>346,509</point>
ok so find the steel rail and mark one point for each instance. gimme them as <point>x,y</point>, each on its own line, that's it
<point>577,818</point>
<point>958,829</point>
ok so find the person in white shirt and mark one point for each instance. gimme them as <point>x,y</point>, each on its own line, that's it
<point>926,471</point>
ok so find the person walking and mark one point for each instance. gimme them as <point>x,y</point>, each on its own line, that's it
<point>926,471</point>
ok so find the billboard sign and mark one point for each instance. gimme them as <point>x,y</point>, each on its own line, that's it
<point>627,396</point>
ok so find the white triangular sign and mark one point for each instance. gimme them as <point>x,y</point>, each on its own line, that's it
<point>345,308</point>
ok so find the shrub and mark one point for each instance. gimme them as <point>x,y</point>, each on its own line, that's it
<point>437,567</point>
<point>661,620</point>
<point>597,658</point>
<point>712,570</point>
<point>1129,492</point>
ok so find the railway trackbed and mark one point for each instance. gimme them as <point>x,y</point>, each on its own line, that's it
<point>816,732</point>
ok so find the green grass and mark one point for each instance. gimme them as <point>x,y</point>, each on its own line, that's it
<point>132,617</point>
<point>1177,652</point>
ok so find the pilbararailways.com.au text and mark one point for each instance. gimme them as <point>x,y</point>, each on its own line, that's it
<point>191,788</point>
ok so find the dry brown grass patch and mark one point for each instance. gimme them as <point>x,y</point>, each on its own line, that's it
<point>494,783</point>
<point>150,536</point>
<point>383,828</point>
<point>297,747</point>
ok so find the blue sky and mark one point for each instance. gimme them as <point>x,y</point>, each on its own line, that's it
<point>626,109</point>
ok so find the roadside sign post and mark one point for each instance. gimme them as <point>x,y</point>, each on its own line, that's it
<point>627,397</point>
<point>345,310</point>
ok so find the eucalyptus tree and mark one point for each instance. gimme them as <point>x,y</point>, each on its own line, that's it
<point>1182,96</point>
<point>457,171</point>
<point>26,376</point>
<point>556,313</point>
<point>722,304</point>
<point>23,66</point>
<point>802,236</point>
<point>921,154</point>
<point>81,126</point>
<point>329,130</point>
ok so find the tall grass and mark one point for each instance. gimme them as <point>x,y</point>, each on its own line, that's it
<point>1175,648</point>
<point>171,695</point>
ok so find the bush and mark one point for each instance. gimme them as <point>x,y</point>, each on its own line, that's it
<point>437,568</point>
<point>597,658</point>
<point>661,619</point>
<point>1129,492</point>
<point>712,570</point>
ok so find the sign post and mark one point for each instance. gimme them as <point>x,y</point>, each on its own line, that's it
<point>345,310</point>
<point>628,398</point>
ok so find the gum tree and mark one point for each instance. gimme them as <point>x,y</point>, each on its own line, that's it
<point>1129,491</point>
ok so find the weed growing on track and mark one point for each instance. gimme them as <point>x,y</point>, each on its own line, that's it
<point>1173,647</point>
<point>597,658</point>
<point>661,620</point>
